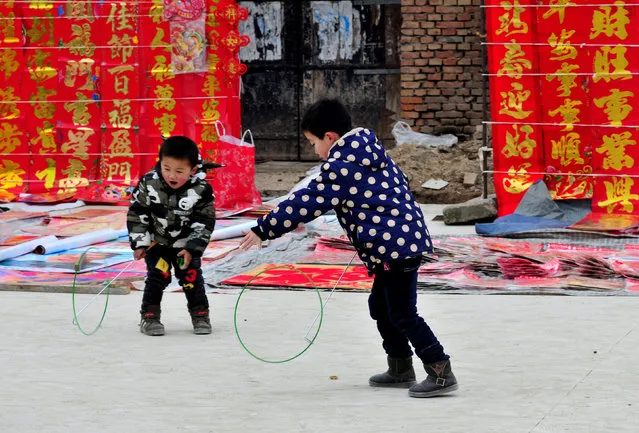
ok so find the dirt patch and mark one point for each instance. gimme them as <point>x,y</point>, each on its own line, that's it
<point>421,164</point>
<point>276,178</point>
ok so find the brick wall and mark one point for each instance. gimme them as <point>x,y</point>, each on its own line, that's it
<point>441,65</point>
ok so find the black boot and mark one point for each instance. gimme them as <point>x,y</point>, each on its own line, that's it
<point>400,374</point>
<point>200,319</point>
<point>440,380</point>
<point>150,321</point>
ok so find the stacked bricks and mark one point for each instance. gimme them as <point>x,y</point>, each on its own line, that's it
<point>441,65</point>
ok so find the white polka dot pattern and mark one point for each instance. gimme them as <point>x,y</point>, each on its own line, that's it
<point>370,195</point>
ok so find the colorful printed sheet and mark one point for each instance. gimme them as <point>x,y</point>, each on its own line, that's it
<point>323,276</point>
<point>64,262</point>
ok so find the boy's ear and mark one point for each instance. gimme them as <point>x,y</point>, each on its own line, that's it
<point>331,136</point>
<point>194,170</point>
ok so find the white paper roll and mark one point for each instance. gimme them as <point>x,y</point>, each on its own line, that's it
<point>78,241</point>
<point>25,247</point>
<point>233,231</point>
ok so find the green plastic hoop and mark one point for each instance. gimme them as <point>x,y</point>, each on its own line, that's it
<point>73,289</point>
<point>311,341</point>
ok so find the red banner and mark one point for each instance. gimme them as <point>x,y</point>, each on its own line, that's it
<point>89,89</point>
<point>585,67</point>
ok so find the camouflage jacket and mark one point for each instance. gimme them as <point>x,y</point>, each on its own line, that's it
<point>181,218</point>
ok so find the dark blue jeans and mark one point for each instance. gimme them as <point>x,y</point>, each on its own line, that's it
<point>393,305</point>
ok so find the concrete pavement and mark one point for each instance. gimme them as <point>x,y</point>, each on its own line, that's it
<point>526,364</point>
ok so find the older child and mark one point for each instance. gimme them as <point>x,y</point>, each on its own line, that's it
<point>172,209</point>
<point>375,207</point>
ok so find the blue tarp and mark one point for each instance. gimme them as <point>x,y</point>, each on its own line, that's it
<point>515,223</point>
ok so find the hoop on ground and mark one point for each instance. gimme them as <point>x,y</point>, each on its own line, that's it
<point>106,288</point>
<point>310,341</point>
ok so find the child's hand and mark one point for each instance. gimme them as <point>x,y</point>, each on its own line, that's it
<point>186,259</point>
<point>139,253</point>
<point>249,240</point>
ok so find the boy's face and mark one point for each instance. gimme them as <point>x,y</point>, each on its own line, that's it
<point>176,172</point>
<point>322,145</point>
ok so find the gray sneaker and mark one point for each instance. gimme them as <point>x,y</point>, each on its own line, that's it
<point>150,322</point>
<point>201,321</point>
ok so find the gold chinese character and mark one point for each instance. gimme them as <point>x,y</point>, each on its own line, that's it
<point>566,149</point>
<point>121,143</point>
<point>10,174</point>
<point>78,144</point>
<point>211,85</point>
<point>565,76</point>
<point>616,105</point>
<point>518,179</point>
<point>164,95</point>
<point>517,145</point>
<point>7,28</point>
<point>209,133</point>
<point>614,149</point>
<point>165,123</point>
<point>513,102</point>
<point>42,108</point>
<point>569,113</point>
<point>158,41</point>
<point>81,45</point>
<point>557,7</point>
<point>120,116</point>
<point>8,110</point>
<point>73,178</point>
<point>122,169</point>
<point>80,109</point>
<point>80,10</point>
<point>121,80</point>
<point>121,47</point>
<point>510,22</point>
<point>209,110</point>
<point>40,33</point>
<point>40,68</point>
<point>603,64</point>
<point>8,62</point>
<point>82,68</point>
<point>161,71</point>
<point>44,138</point>
<point>156,11</point>
<point>122,19</point>
<point>618,194</point>
<point>9,137</point>
<point>561,45</point>
<point>48,174</point>
<point>514,61</point>
<point>604,21</point>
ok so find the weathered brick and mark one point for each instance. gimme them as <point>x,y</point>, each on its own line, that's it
<point>411,100</point>
<point>441,82</point>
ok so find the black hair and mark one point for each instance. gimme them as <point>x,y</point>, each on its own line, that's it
<point>327,115</point>
<point>180,147</point>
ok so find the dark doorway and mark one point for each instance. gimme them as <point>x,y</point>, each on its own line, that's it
<point>301,51</point>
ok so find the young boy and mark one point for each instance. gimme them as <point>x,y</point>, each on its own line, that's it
<point>375,207</point>
<point>170,222</point>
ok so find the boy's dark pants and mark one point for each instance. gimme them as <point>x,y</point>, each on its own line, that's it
<point>159,261</point>
<point>393,305</point>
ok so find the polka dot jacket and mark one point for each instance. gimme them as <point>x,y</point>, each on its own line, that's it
<point>370,196</point>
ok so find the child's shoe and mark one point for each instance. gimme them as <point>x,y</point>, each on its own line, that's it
<point>440,380</point>
<point>400,374</point>
<point>201,322</point>
<point>150,323</point>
